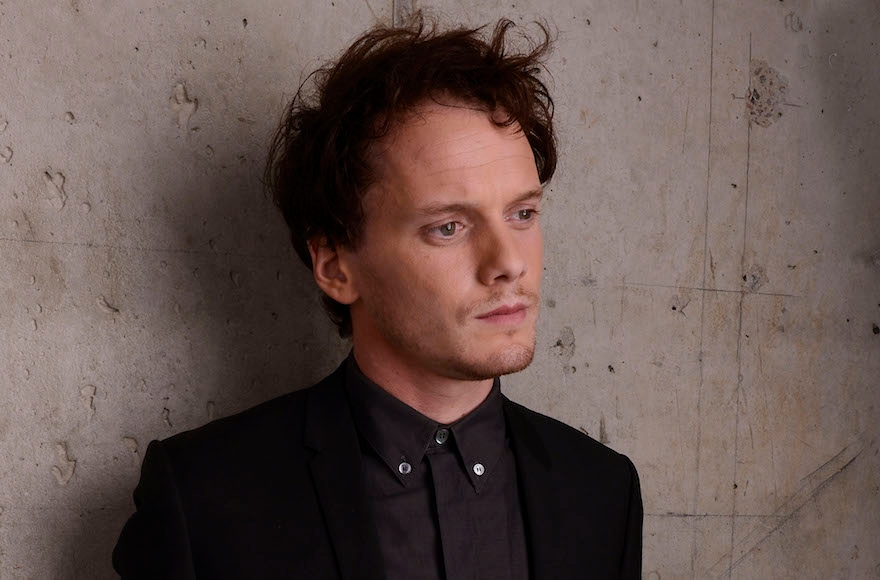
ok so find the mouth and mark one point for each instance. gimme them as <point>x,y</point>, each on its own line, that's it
<point>507,314</point>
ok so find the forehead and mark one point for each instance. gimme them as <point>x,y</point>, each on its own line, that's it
<point>455,153</point>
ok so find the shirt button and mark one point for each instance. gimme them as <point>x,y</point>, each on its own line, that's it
<point>479,469</point>
<point>404,468</point>
<point>442,436</point>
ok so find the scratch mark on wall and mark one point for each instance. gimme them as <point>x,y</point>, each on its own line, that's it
<point>699,409</point>
<point>687,109</point>
<point>65,466</point>
<point>166,417</point>
<point>3,124</point>
<point>813,484</point>
<point>136,248</point>
<point>705,289</point>
<point>53,185</point>
<point>69,117</point>
<point>34,324</point>
<point>87,397</point>
<point>749,284</point>
<point>104,306</point>
<point>603,433</point>
<point>85,207</point>
<point>6,154</point>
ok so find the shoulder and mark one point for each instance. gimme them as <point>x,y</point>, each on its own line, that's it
<point>262,432</point>
<point>562,444</point>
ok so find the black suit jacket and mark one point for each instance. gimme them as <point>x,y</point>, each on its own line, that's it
<point>275,492</point>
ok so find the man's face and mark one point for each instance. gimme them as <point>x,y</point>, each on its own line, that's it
<point>449,268</point>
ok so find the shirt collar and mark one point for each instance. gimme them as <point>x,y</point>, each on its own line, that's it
<point>398,433</point>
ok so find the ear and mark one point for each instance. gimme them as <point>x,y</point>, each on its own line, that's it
<point>331,270</point>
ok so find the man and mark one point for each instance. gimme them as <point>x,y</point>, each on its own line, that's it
<point>411,180</point>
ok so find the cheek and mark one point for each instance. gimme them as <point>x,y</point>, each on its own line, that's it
<point>408,281</point>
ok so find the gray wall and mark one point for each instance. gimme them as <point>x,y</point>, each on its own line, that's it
<point>711,297</point>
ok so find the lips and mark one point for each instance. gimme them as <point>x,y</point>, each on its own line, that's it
<point>504,311</point>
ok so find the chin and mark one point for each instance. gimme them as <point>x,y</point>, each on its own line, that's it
<point>508,360</point>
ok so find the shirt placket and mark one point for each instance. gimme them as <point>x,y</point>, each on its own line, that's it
<point>451,487</point>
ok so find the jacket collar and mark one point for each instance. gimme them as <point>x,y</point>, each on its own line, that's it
<point>336,470</point>
<point>538,487</point>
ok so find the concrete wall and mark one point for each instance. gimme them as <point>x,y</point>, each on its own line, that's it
<point>712,291</point>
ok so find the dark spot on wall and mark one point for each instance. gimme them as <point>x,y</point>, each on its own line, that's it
<point>678,304</point>
<point>754,278</point>
<point>766,93</point>
<point>875,328</point>
<point>611,369</point>
<point>733,185</point>
<point>565,345</point>
<point>550,303</point>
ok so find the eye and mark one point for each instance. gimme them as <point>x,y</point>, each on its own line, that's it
<point>525,215</point>
<point>447,229</point>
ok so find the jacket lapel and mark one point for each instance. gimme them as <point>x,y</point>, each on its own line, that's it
<point>542,511</point>
<point>336,471</point>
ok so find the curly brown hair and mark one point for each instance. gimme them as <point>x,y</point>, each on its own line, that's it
<point>318,168</point>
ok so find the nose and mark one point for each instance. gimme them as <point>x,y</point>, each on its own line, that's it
<point>502,255</point>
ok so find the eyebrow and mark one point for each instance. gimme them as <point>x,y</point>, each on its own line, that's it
<point>447,208</point>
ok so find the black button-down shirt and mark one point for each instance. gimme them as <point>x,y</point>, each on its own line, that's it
<point>443,498</point>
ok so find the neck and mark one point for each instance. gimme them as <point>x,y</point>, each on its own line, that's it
<point>442,399</point>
